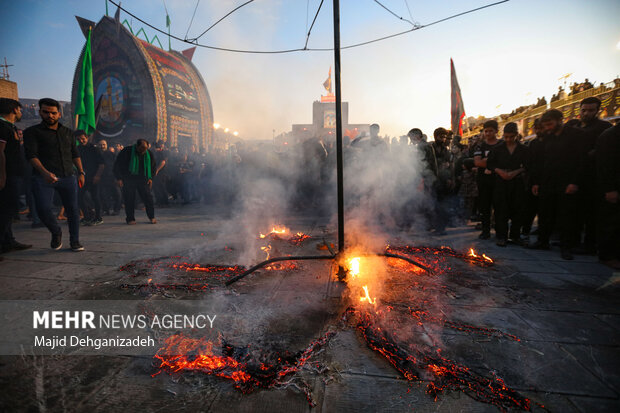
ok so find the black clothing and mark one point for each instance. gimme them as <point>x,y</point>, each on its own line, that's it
<point>15,164</point>
<point>500,157</point>
<point>56,149</point>
<point>486,186</point>
<point>608,175</point>
<point>108,170</point>
<point>121,165</point>
<point>560,159</point>
<point>91,159</point>
<point>509,196</point>
<point>131,185</point>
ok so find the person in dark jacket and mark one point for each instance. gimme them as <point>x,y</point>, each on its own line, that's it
<point>89,194</point>
<point>12,167</point>
<point>508,161</point>
<point>134,170</point>
<point>587,197</point>
<point>556,176</point>
<point>608,177</point>
<point>52,151</point>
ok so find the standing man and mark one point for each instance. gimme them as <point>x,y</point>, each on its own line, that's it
<point>587,197</point>
<point>11,172</point>
<point>92,159</point>
<point>486,177</point>
<point>508,160</point>
<point>109,191</point>
<point>134,170</point>
<point>161,178</point>
<point>52,151</point>
<point>441,164</point>
<point>556,177</point>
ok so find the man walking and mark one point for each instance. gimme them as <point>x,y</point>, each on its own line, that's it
<point>134,170</point>
<point>90,198</point>
<point>11,172</point>
<point>52,151</point>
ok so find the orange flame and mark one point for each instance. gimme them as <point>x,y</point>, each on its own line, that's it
<point>276,230</point>
<point>354,267</point>
<point>367,296</point>
<point>267,249</point>
<point>473,254</point>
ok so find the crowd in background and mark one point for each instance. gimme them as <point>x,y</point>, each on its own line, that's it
<point>567,176</point>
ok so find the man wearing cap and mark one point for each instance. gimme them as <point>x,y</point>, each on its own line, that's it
<point>508,160</point>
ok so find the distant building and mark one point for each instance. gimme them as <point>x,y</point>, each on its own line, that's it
<point>324,121</point>
<point>8,89</point>
<point>145,92</point>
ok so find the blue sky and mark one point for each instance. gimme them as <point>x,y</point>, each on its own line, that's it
<point>509,54</point>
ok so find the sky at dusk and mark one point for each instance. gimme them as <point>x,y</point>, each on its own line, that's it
<point>507,55</point>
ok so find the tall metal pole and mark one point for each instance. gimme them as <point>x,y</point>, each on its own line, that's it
<point>339,162</point>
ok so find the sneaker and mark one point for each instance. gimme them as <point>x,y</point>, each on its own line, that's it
<point>76,246</point>
<point>484,235</point>
<point>86,222</point>
<point>98,221</point>
<point>56,243</point>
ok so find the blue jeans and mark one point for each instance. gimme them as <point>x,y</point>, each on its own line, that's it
<point>67,188</point>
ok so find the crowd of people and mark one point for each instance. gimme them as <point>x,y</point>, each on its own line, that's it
<point>567,176</point>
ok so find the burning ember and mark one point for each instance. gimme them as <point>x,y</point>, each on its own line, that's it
<point>419,364</point>
<point>202,277</point>
<point>276,231</point>
<point>434,257</point>
<point>473,254</point>
<point>244,367</point>
<point>267,250</point>
<point>299,238</point>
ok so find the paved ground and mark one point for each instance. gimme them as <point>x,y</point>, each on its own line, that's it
<point>568,358</point>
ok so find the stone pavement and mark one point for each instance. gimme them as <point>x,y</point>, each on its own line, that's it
<point>568,358</point>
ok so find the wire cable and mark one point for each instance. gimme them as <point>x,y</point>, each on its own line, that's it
<point>192,20</point>
<point>228,14</point>
<point>394,14</point>
<point>312,25</point>
<point>224,49</point>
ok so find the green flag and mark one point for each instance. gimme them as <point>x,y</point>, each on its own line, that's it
<point>167,21</point>
<point>85,105</point>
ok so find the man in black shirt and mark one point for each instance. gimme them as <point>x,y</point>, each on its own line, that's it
<point>109,191</point>
<point>486,177</point>
<point>11,172</point>
<point>587,197</point>
<point>161,178</point>
<point>556,178</point>
<point>92,160</point>
<point>608,174</point>
<point>441,165</point>
<point>508,160</point>
<point>52,151</point>
<point>134,170</point>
